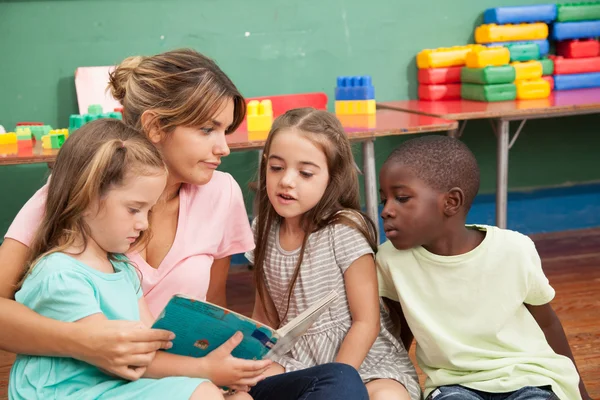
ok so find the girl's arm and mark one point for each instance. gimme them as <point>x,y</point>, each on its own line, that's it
<point>363,298</point>
<point>219,366</point>
<point>217,293</point>
<point>110,345</point>
<point>548,321</point>
<point>259,314</point>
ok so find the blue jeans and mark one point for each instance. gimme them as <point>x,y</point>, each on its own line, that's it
<point>456,392</point>
<point>332,381</point>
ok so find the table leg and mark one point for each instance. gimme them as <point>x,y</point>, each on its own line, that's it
<point>370,182</point>
<point>502,172</point>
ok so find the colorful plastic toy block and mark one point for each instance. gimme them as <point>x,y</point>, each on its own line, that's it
<point>489,75</point>
<point>437,76</point>
<point>259,116</point>
<point>578,11</point>
<point>8,138</point>
<point>54,141</point>
<point>63,131</point>
<point>547,66</point>
<point>95,109</point>
<point>444,56</point>
<point>501,92</point>
<point>564,66</point>
<point>354,88</point>
<point>520,14</point>
<point>24,134</point>
<point>76,121</point>
<point>575,30</point>
<point>550,81</point>
<point>449,91</point>
<point>578,48</point>
<point>487,56</point>
<point>37,130</point>
<point>524,52</point>
<point>543,45</point>
<point>533,89</point>
<point>576,81</point>
<point>506,33</point>
<point>358,122</point>
<point>348,107</point>
<point>528,70</point>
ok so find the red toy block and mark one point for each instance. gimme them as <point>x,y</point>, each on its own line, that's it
<point>578,48</point>
<point>550,80</point>
<point>565,66</point>
<point>285,102</point>
<point>450,91</point>
<point>30,124</point>
<point>434,76</point>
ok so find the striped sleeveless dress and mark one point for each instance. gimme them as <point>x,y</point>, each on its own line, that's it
<point>328,255</point>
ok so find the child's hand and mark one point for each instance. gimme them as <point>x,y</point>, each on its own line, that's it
<point>225,370</point>
<point>121,348</point>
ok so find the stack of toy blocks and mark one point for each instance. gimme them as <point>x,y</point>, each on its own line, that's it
<point>439,72</point>
<point>523,30</point>
<point>95,112</point>
<point>55,138</point>
<point>8,138</point>
<point>577,65</point>
<point>259,117</point>
<point>354,95</point>
<point>488,75</point>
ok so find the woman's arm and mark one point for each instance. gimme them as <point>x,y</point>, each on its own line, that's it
<point>217,287</point>
<point>363,298</point>
<point>110,345</point>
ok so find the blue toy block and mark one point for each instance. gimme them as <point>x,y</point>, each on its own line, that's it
<point>575,30</point>
<point>577,81</point>
<point>544,45</point>
<point>520,14</point>
<point>354,88</point>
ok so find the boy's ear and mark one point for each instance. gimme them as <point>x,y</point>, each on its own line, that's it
<point>454,199</point>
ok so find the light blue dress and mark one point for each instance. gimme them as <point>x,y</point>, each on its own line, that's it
<point>65,289</point>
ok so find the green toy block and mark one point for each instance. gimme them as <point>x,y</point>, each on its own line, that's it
<point>547,66</point>
<point>76,121</point>
<point>523,51</point>
<point>95,109</point>
<point>57,141</point>
<point>500,92</point>
<point>570,12</point>
<point>488,75</point>
<point>24,134</point>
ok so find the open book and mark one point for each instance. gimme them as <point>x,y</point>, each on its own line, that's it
<point>200,327</point>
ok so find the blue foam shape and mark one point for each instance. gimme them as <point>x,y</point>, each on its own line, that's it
<point>520,14</point>
<point>544,45</point>
<point>576,81</point>
<point>575,30</point>
<point>354,88</point>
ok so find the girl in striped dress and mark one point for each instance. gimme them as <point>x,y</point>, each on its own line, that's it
<point>311,238</point>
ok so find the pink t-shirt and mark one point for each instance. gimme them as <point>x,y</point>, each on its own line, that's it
<point>212,224</point>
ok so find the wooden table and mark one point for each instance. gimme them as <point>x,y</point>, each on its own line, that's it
<point>559,104</point>
<point>358,128</point>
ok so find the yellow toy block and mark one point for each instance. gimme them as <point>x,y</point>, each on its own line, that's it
<point>59,132</point>
<point>488,56</point>
<point>444,56</point>
<point>355,122</point>
<point>491,33</point>
<point>355,107</point>
<point>259,115</point>
<point>533,89</point>
<point>8,138</point>
<point>528,70</point>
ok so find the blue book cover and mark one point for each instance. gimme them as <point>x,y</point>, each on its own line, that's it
<point>200,327</point>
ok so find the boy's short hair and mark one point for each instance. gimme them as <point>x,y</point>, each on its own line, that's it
<point>441,162</point>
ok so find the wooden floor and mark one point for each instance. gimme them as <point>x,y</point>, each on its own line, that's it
<point>571,261</point>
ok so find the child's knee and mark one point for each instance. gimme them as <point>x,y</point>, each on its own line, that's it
<point>207,391</point>
<point>387,389</point>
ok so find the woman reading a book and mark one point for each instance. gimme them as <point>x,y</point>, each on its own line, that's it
<point>185,105</point>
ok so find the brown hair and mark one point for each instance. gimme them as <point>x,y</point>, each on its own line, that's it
<point>96,158</point>
<point>180,87</point>
<point>340,203</point>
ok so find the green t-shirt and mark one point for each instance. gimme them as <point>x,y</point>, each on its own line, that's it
<point>468,315</point>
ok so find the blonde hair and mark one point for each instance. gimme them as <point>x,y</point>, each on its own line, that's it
<point>95,159</point>
<point>340,203</point>
<point>180,88</point>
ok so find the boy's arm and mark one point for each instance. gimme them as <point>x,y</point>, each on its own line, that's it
<point>397,315</point>
<point>548,321</point>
